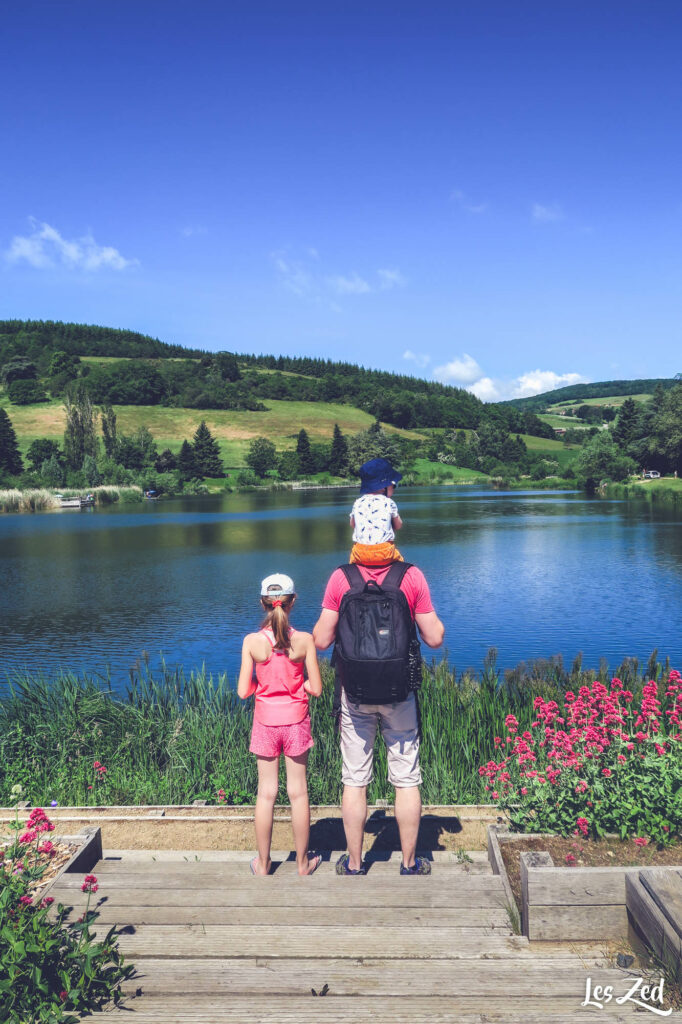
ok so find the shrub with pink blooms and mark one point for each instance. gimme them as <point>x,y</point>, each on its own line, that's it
<point>603,763</point>
<point>50,968</point>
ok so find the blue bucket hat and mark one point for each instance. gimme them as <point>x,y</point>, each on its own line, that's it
<point>377,474</point>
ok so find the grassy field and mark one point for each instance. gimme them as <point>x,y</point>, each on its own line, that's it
<point>232,429</point>
<point>555,420</point>
<point>424,468</point>
<point>614,400</point>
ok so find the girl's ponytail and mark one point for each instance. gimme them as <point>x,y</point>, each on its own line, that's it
<point>277,619</point>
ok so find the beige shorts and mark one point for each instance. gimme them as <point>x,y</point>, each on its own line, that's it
<point>399,729</point>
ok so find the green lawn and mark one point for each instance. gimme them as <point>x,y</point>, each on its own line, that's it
<point>425,468</point>
<point>615,400</point>
<point>555,420</point>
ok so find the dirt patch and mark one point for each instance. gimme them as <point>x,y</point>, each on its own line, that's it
<point>583,853</point>
<point>52,863</point>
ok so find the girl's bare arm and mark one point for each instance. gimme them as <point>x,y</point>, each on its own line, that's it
<point>397,523</point>
<point>246,684</point>
<point>313,684</point>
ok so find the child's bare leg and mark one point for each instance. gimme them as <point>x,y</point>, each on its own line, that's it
<point>297,789</point>
<point>268,784</point>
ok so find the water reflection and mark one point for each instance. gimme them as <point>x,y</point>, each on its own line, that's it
<point>532,573</point>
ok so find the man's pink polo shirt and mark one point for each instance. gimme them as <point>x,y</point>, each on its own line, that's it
<point>414,587</point>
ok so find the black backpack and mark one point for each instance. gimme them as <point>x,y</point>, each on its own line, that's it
<point>377,656</point>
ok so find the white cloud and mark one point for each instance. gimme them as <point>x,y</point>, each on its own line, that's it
<point>351,285</point>
<point>536,382</point>
<point>486,389</point>
<point>390,277</point>
<point>420,358</point>
<point>293,274</point>
<point>464,370</point>
<point>547,214</point>
<point>46,247</point>
<point>462,200</point>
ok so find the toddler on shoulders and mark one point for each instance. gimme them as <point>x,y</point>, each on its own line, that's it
<point>375,516</point>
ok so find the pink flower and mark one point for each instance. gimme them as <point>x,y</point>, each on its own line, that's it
<point>495,794</point>
<point>27,837</point>
<point>641,840</point>
<point>570,859</point>
<point>47,901</point>
<point>46,847</point>
<point>89,884</point>
<point>583,825</point>
<point>524,790</point>
<point>606,772</point>
<point>26,900</point>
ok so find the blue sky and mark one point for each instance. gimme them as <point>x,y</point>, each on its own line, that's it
<point>488,193</point>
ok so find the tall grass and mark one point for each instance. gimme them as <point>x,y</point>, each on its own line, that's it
<point>27,501</point>
<point>172,739</point>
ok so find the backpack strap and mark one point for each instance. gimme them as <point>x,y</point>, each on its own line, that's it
<point>354,576</point>
<point>395,575</point>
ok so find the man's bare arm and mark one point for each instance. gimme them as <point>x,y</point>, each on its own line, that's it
<point>324,631</point>
<point>431,629</point>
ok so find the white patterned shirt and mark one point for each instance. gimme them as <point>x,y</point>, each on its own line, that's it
<point>373,514</point>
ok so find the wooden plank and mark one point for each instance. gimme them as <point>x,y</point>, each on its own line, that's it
<point>577,886</point>
<point>200,876</point>
<point>664,885</point>
<point>577,923</point>
<point>530,861</point>
<point>110,868</point>
<point>508,978</point>
<point>315,942</point>
<point>262,893</point>
<point>653,925</point>
<point>261,1009</point>
<point>322,916</point>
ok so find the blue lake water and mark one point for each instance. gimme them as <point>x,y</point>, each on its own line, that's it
<point>533,574</point>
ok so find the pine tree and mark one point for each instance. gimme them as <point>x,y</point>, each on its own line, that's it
<point>10,459</point>
<point>338,458</point>
<point>306,459</point>
<point>625,428</point>
<point>187,468</point>
<point>207,452</point>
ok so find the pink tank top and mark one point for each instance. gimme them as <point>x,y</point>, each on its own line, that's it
<point>280,697</point>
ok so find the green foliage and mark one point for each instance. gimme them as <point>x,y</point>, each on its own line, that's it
<point>52,471</point>
<point>600,458</point>
<point>261,456</point>
<point>49,967</point>
<point>206,453</point>
<point>26,392</point>
<point>16,369</point>
<point>338,458</point>
<point>288,466</point>
<point>666,435</point>
<point>138,451</point>
<point>371,444</point>
<point>10,459</point>
<point>187,468</point>
<point>41,449</point>
<point>306,460</point>
<point>91,473</point>
<point>109,438</point>
<point>80,438</point>
<point>166,462</point>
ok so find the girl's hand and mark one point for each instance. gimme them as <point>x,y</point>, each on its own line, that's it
<point>313,684</point>
<point>246,684</point>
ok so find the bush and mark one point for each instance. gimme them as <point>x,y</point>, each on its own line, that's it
<point>48,967</point>
<point>602,764</point>
<point>26,392</point>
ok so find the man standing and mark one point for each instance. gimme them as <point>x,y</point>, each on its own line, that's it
<point>397,715</point>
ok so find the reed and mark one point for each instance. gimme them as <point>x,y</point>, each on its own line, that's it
<point>27,501</point>
<point>173,738</point>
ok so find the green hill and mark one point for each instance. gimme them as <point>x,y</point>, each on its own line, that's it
<point>576,394</point>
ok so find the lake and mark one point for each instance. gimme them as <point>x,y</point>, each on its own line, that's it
<point>533,574</point>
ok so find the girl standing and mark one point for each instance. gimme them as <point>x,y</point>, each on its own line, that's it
<point>281,722</point>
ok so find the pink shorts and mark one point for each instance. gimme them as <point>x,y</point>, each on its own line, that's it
<point>273,740</point>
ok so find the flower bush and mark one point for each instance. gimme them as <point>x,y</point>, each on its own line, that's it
<point>50,969</point>
<point>602,764</point>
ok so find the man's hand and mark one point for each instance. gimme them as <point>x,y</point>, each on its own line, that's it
<point>324,631</point>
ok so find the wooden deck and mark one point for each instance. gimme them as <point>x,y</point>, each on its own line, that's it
<point>212,944</point>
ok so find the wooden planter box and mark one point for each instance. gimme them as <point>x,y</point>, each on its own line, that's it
<point>565,904</point>
<point>83,859</point>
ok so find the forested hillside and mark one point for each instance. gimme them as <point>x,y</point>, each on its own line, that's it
<point>580,392</point>
<point>42,359</point>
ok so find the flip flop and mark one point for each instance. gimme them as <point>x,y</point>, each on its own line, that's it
<point>252,864</point>
<point>314,861</point>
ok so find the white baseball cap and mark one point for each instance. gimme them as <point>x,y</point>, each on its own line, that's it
<point>277,585</point>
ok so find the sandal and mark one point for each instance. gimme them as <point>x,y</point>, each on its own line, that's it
<point>252,865</point>
<point>421,866</point>
<point>314,861</point>
<point>342,867</point>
